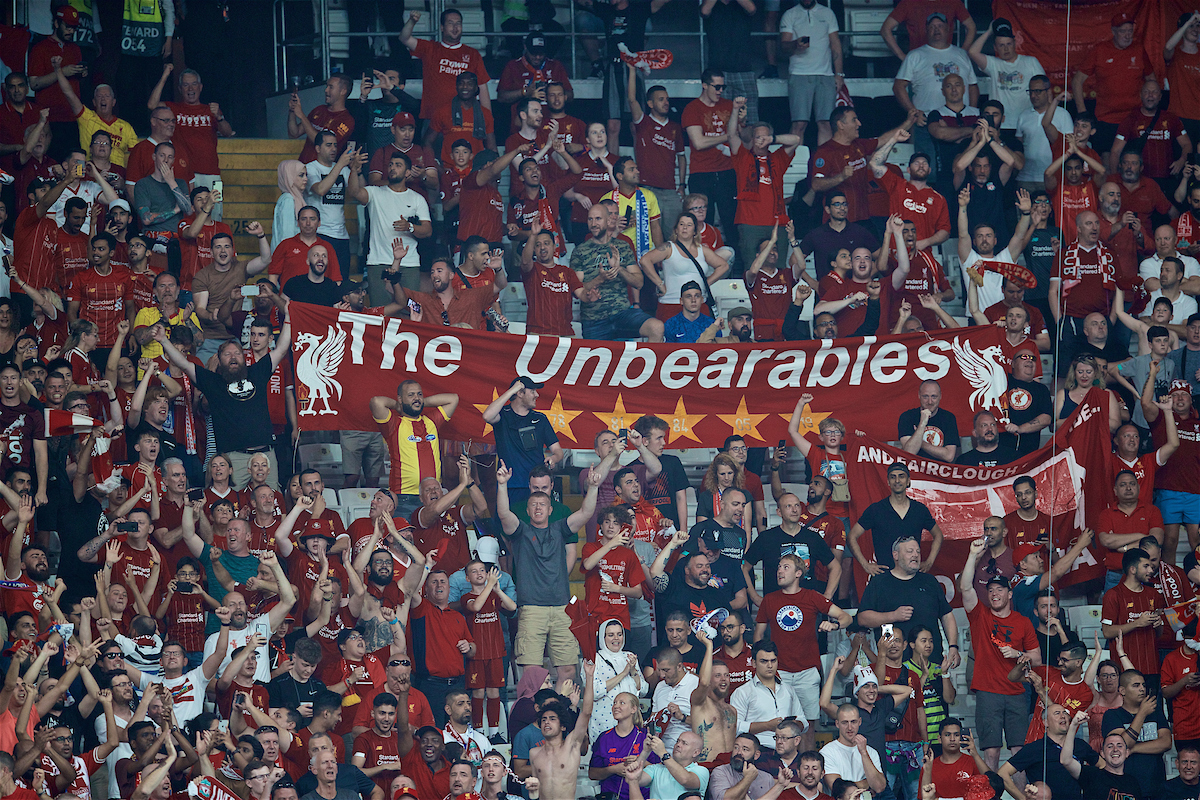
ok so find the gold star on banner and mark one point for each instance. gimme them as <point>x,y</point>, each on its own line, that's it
<point>682,423</point>
<point>560,418</point>
<point>743,422</point>
<point>809,420</point>
<point>481,407</point>
<point>618,418</point>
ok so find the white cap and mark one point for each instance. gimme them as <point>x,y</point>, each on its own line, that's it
<point>863,676</point>
<point>118,203</point>
<point>487,549</point>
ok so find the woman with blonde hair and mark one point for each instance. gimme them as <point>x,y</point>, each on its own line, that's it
<point>610,749</point>
<point>293,180</point>
<point>722,474</point>
<point>1082,375</point>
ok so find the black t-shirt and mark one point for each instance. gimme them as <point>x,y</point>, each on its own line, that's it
<point>872,726</point>
<point>627,25</point>
<point>520,441</point>
<point>1148,769</point>
<point>660,491</point>
<point>284,691</point>
<point>730,541</point>
<point>1039,762</point>
<point>1103,785</point>
<point>1051,646</point>
<point>167,446</point>
<point>886,526</point>
<point>1176,789</point>
<point>1001,455</point>
<point>326,293</point>
<point>1027,400</point>
<point>885,592</point>
<point>691,659</point>
<point>349,777</point>
<point>775,542</point>
<point>988,206</point>
<point>728,30</point>
<point>941,430</point>
<point>1039,258</point>
<point>241,419</point>
<point>824,242</point>
<point>727,580</point>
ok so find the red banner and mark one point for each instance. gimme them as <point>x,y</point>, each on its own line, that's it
<point>1059,40</point>
<point>1072,473</point>
<point>705,392</point>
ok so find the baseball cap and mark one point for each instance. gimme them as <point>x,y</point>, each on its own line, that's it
<point>424,729</point>
<point>119,203</point>
<point>862,676</point>
<point>999,580</point>
<point>898,466</point>
<point>530,383</point>
<point>935,15</point>
<point>68,15</point>
<point>535,43</point>
<point>1193,318</point>
<point>403,793</point>
<point>1002,27</point>
<point>403,118</point>
<point>1021,551</point>
<point>350,287</point>
<point>691,285</point>
<point>1123,18</point>
<point>1178,385</point>
<point>739,311</point>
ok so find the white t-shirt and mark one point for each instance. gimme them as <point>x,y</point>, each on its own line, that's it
<point>680,695</point>
<point>992,291</point>
<point>1181,308</point>
<point>816,23</point>
<point>88,192</point>
<point>924,69</point>
<point>188,690</point>
<point>332,205</point>
<point>110,764</point>
<point>385,207</point>
<point>1152,267</point>
<point>1038,155</point>
<point>1010,85</point>
<point>238,639</point>
<point>846,761</point>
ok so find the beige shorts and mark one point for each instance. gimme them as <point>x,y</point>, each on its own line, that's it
<point>546,627</point>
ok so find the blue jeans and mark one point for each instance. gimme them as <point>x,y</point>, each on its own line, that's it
<point>624,325</point>
<point>1111,579</point>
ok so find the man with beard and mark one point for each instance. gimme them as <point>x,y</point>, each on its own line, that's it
<point>739,320</point>
<point>463,774</point>
<point>556,761</point>
<point>1143,197</point>
<point>741,779</point>
<point>441,525</point>
<point>988,451</point>
<point>677,630</point>
<point>446,303</point>
<point>290,256</point>
<point>458,728</point>
<point>395,211</point>
<point>1030,406</point>
<point>238,398</point>
<point>61,752</point>
<point>27,570</point>
<point>412,439</point>
<point>914,197</point>
<point>314,286</point>
<point>734,651</point>
<point>712,718</point>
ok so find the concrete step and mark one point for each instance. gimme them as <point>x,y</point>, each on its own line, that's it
<point>238,193</point>
<point>284,147</point>
<point>259,160</point>
<point>250,177</point>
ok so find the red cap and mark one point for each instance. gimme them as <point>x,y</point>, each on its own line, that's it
<point>1178,385</point>
<point>402,119</point>
<point>68,15</point>
<point>1025,549</point>
<point>1124,18</point>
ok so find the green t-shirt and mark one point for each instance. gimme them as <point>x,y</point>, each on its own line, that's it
<point>589,258</point>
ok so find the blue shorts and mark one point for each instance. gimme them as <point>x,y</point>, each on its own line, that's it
<point>625,325</point>
<point>1178,507</point>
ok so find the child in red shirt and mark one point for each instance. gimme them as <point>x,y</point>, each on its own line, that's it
<point>184,610</point>
<point>612,569</point>
<point>485,673</point>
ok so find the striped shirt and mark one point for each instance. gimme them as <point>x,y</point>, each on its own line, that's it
<point>414,449</point>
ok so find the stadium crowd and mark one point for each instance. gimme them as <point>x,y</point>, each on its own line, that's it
<point>182,601</point>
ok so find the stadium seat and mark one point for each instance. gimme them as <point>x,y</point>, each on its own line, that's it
<point>325,458</point>
<point>729,294</point>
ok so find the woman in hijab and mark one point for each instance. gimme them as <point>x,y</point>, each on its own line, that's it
<point>523,712</point>
<point>617,671</point>
<point>293,179</point>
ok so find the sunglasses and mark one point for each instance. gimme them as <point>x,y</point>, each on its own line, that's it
<point>399,662</point>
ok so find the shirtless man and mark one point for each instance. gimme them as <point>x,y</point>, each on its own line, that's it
<point>713,719</point>
<point>556,762</point>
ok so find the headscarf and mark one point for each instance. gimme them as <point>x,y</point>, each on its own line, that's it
<point>531,680</point>
<point>287,183</point>
<point>603,650</point>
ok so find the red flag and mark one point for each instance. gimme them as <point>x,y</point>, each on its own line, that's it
<point>61,423</point>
